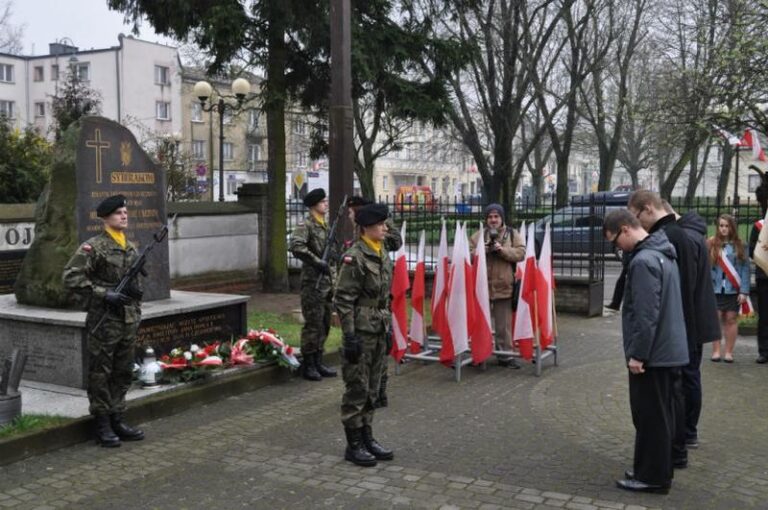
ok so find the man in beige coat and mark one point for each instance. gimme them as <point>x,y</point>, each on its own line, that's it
<point>504,247</point>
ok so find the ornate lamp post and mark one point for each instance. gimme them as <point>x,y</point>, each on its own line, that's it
<point>203,90</point>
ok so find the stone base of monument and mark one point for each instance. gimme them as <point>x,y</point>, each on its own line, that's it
<point>55,340</point>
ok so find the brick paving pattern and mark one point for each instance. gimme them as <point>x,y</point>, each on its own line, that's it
<point>499,439</point>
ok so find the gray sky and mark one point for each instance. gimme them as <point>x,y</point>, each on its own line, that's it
<point>89,23</point>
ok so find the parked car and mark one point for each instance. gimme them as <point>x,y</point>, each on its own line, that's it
<point>575,226</point>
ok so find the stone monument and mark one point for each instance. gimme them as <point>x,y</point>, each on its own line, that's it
<point>95,159</point>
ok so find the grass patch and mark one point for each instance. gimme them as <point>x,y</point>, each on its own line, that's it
<point>32,422</point>
<point>289,328</point>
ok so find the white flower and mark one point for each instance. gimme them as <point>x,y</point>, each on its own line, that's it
<point>187,355</point>
<point>274,352</point>
<point>194,348</point>
<point>175,353</point>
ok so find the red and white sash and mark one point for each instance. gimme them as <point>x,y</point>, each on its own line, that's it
<point>729,271</point>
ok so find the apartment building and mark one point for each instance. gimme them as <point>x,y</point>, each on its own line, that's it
<point>139,83</point>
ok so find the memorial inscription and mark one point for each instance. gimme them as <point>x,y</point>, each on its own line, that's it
<point>110,161</point>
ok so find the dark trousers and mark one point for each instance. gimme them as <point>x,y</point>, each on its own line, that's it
<point>686,395</point>
<point>762,317</point>
<point>650,399</point>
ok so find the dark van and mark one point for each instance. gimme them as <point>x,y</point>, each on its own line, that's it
<point>573,227</point>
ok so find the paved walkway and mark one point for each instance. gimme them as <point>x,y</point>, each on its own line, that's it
<point>499,439</point>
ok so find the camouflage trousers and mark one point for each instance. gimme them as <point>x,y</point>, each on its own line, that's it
<point>316,309</point>
<point>110,366</point>
<point>362,382</point>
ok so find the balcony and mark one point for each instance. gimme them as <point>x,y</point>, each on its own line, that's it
<point>259,165</point>
<point>256,132</point>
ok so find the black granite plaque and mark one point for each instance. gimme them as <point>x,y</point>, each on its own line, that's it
<point>111,162</point>
<point>201,327</point>
<point>10,265</point>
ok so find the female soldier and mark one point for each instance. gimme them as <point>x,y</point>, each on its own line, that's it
<point>362,302</point>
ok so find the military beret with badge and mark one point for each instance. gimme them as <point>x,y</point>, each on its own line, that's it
<point>371,214</point>
<point>110,205</point>
<point>314,197</point>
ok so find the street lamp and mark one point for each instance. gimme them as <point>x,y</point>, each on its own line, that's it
<point>203,90</point>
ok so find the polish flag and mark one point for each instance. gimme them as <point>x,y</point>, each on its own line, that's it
<point>399,288</point>
<point>440,285</point>
<point>482,337</point>
<point>545,291</point>
<point>751,139</point>
<point>525,322</point>
<point>417,331</point>
<point>469,278</point>
<point>456,337</point>
<point>727,136</point>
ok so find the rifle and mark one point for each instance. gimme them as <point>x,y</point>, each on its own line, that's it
<point>137,267</point>
<point>332,237</point>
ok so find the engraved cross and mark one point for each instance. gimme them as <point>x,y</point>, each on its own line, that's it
<point>98,144</point>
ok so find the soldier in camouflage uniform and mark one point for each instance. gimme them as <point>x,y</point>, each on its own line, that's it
<point>92,273</point>
<point>362,302</point>
<point>307,244</point>
<point>392,242</point>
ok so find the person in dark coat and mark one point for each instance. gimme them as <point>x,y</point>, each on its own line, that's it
<point>655,346</point>
<point>761,279</point>
<point>648,208</point>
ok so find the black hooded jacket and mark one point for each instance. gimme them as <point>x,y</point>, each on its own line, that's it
<point>704,303</point>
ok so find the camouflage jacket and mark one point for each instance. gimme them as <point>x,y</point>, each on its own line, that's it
<point>97,266</point>
<point>307,244</point>
<point>363,290</point>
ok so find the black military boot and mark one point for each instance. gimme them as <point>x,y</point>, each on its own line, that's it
<point>383,399</point>
<point>105,436</point>
<point>308,368</point>
<point>374,447</point>
<point>323,370</point>
<point>123,431</point>
<point>356,452</point>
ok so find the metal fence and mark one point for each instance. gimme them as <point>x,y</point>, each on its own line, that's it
<point>580,256</point>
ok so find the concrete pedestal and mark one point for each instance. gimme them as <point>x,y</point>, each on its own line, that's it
<point>55,340</point>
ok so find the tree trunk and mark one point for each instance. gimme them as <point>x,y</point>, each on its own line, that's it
<point>276,263</point>
<point>364,173</point>
<point>725,173</point>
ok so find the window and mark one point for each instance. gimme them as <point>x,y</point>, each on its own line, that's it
<point>229,151</point>
<point>83,71</point>
<point>162,75</point>
<point>6,72</point>
<point>38,73</point>
<point>163,110</point>
<point>197,112</point>
<point>233,185</point>
<point>303,160</point>
<point>8,109</point>
<point>227,117</point>
<point>433,186</point>
<point>299,127</point>
<point>55,72</point>
<point>39,109</point>
<point>384,184</point>
<point>198,149</point>
<point>253,118</point>
<point>254,153</point>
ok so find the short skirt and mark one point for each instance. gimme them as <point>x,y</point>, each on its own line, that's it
<point>727,302</point>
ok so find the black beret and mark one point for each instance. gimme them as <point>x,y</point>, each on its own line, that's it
<point>356,201</point>
<point>371,214</point>
<point>314,196</point>
<point>110,205</point>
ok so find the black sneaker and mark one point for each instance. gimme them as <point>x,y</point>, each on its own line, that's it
<point>692,443</point>
<point>762,359</point>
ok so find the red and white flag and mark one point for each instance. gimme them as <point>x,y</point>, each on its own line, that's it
<point>751,139</point>
<point>399,289</point>
<point>417,332</point>
<point>727,136</point>
<point>456,337</point>
<point>440,285</point>
<point>525,319</point>
<point>482,336</point>
<point>545,291</point>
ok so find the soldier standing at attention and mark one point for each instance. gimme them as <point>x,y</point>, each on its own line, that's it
<point>392,242</point>
<point>307,244</point>
<point>362,302</point>
<point>93,272</point>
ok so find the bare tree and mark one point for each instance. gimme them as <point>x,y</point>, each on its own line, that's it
<point>11,36</point>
